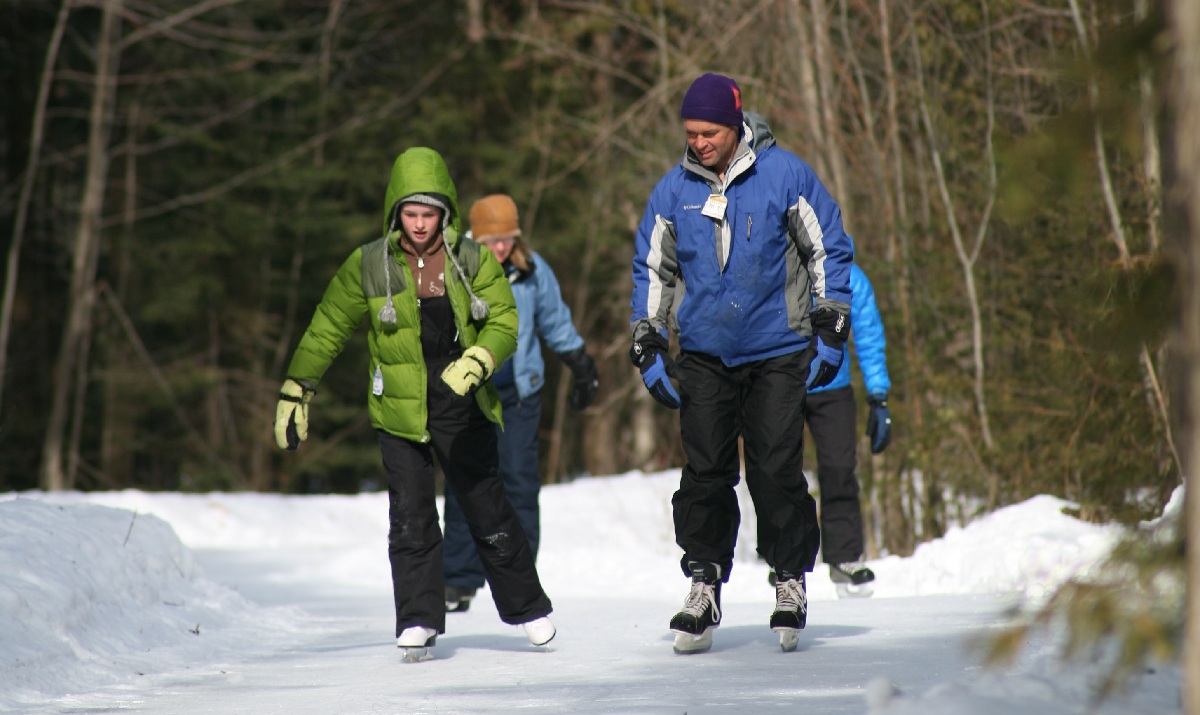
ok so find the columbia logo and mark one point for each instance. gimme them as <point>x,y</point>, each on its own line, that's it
<point>691,207</point>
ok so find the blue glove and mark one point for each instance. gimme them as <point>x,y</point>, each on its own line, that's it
<point>650,356</point>
<point>879,423</point>
<point>830,329</point>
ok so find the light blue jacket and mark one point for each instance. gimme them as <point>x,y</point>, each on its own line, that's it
<point>540,312</point>
<point>866,330</point>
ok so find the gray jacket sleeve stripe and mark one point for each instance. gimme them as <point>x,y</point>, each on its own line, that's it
<point>811,233</point>
<point>663,268</point>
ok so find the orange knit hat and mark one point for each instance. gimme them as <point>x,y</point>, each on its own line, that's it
<point>494,216</point>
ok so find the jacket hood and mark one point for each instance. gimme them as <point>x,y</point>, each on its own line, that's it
<point>421,170</point>
<point>756,131</point>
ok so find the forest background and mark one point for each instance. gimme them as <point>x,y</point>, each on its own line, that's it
<point>183,177</point>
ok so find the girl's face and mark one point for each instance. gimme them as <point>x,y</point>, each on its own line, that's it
<point>501,248</point>
<point>421,224</point>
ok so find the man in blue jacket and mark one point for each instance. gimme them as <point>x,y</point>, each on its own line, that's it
<point>743,243</point>
<point>831,416</point>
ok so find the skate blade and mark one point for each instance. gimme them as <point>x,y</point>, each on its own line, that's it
<point>544,645</point>
<point>415,655</point>
<point>849,590</point>
<point>690,643</point>
<point>789,638</point>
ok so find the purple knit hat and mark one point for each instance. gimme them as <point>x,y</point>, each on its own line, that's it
<point>713,98</point>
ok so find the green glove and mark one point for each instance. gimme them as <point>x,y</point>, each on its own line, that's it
<point>467,372</point>
<point>291,414</point>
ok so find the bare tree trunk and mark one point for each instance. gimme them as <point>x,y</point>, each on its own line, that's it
<point>827,101</point>
<point>31,170</point>
<point>1182,199</point>
<point>117,429</point>
<point>1154,392</point>
<point>83,271</point>
<point>899,532</point>
<point>476,30</point>
<point>257,474</point>
<point>966,259</point>
<point>898,251</point>
<point>82,374</point>
<point>1152,161</point>
<point>600,201</point>
<point>865,109</point>
<point>602,85</point>
<point>808,84</point>
<point>331,21</point>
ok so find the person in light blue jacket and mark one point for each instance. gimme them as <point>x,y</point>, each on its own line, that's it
<point>542,316</point>
<point>831,418</point>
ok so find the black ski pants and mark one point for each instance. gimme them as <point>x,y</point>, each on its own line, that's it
<point>464,443</point>
<point>831,417</point>
<point>518,445</point>
<point>761,402</point>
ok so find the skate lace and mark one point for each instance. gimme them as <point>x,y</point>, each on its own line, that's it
<point>699,598</point>
<point>789,596</point>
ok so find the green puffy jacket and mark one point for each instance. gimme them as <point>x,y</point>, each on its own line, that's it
<point>360,287</point>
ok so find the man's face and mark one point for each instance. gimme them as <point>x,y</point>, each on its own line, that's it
<point>421,224</point>
<point>712,143</point>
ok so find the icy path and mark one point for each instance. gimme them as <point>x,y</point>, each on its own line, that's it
<point>609,656</point>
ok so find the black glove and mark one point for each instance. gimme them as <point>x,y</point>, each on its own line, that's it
<point>879,423</point>
<point>650,356</point>
<point>830,330</point>
<point>586,379</point>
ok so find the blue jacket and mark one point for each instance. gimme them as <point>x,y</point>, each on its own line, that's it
<point>866,331</point>
<point>540,312</point>
<point>744,283</point>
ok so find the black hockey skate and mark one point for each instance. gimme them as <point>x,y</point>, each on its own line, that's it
<point>791,609</point>
<point>852,579</point>
<point>693,626</point>
<point>458,599</point>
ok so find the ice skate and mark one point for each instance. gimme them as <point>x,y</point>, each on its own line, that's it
<point>852,580</point>
<point>791,609</point>
<point>540,631</point>
<point>458,599</point>
<point>415,642</point>
<point>701,614</point>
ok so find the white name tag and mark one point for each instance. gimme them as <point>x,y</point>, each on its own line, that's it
<point>715,207</point>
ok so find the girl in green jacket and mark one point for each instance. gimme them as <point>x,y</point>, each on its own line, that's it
<point>441,318</point>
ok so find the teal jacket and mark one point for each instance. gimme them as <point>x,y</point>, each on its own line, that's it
<point>360,287</point>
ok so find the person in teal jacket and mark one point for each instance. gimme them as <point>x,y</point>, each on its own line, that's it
<point>542,316</point>
<point>831,417</point>
<point>441,317</point>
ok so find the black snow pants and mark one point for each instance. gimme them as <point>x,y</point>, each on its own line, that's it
<point>763,403</point>
<point>464,443</point>
<point>831,417</point>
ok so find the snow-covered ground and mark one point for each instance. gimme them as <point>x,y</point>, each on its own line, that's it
<point>250,603</point>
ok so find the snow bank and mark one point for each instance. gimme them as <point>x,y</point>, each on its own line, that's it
<point>92,594</point>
